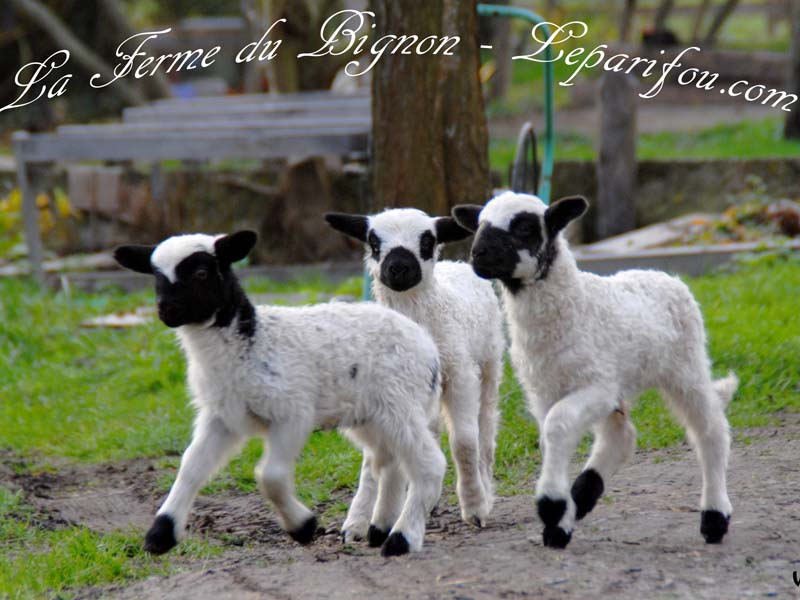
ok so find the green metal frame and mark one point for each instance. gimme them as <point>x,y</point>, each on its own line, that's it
<point>492,10</point>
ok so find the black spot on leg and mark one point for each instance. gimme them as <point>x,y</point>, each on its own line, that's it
<point>550,512</point>
<point>586,491</point>
<point>376,536</point>
<point>395,545</point>
<point>305,533</point>
<point>713,526</point>
<point>353,371</point>
<point>161,536</point>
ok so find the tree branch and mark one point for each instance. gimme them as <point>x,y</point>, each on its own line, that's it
<point>40,15</point>
<point>156,86</point>
<point>722,14</point>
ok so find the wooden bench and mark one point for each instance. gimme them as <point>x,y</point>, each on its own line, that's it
<point>259,127</point>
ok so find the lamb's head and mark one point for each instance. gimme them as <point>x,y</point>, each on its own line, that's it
<point>402,243</point>
<point>516,234</point>
<point>194,280</point>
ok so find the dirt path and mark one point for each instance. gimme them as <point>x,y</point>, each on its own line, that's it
<point>642,542</point>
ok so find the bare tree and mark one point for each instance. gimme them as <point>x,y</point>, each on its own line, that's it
<point>429,128</point>
<point>43,17</point>
<point>721,15</point>
<point>501,48</point>
<point>156,86</point>
<point>792,126</point>
<point>699,18</point>
<point>662,14</point>
<point>626,20</point>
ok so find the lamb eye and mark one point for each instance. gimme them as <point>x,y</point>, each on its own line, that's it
<point>374,245</point>
<point>523,230</point>
<point>201,274</point>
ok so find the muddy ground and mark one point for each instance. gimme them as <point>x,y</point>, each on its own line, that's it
<point>643,541</point>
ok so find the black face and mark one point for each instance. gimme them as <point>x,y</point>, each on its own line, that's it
<point>400,270</point>
<point>198,292</point>
<point>496,252</point>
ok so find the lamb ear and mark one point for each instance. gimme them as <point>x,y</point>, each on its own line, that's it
<point>561,212</point>
<point>135,258</point>
<point>234,247</point>
<point>448,230</point>
<point>356,226</point>
<point>467,215</point>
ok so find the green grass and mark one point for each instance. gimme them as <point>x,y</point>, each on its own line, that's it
<point>748,139</point>
<point>36,562</point>
<point>100,395</point>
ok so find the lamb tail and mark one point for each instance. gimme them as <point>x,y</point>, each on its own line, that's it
<point>726,387</point>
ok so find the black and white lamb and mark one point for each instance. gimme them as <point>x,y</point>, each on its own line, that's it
<point>462,313</point>
<point>279,373</point>
<point>585,346</point>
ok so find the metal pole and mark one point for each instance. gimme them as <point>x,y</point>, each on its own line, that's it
<point>490,10</point>
<point>30,213</point>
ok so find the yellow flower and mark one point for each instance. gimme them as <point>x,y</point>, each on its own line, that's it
<point>63,205</point>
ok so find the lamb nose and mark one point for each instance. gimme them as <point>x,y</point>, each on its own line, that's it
<point>477,252</point>
<point>397,269</point>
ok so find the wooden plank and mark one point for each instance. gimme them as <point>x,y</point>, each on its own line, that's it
<point>283,125</point>
<point>228,113</point>
<point>311,96</point>
<point>201,145</point>
<point>265,107</point>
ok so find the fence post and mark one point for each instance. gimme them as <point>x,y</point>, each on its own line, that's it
<point>616,160</point>
<point>30,212</point>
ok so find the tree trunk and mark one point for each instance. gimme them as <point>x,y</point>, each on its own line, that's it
<point>722,14</point>
<point>41,16</point>
<point>616,160</point>
<point>429,127</point>
<point>300,33</point>
<point>699,18</point>
<point>501,49</point>
<point>792,126</point>
<point>253,25</point>
<point>662,14</point>
<point>626,20</point>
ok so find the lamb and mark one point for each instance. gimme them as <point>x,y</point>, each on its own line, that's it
<point>585,346</point>
<point>280,372</point>
<point>462,313</point>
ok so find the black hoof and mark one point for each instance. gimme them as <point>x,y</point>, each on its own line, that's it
<point>376,536</point>
<point>161,536</point>
<point>395,545</point>
<point>713,526</point>
<point>305,533</point>
<point>550,511</point>
<point>586,491</point>
<point>555,537</point>
<point>475,521</point>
